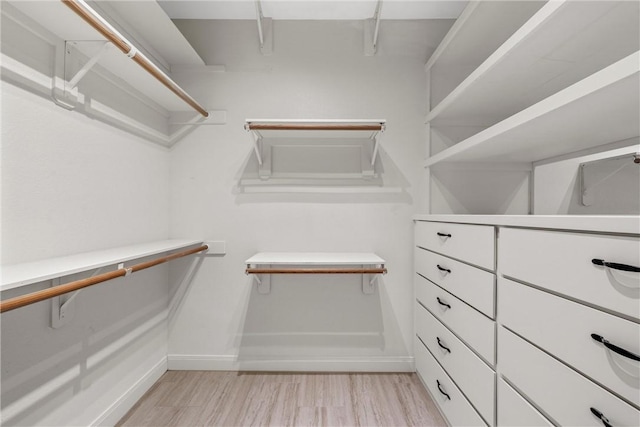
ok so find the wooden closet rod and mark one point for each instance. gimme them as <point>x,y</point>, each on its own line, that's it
<point>316,271</point>
<point>314,126</point>
<point>111,34</point>
<point>22,300</point>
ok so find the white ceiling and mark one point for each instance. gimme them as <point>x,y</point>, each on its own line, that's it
<point>312,9</point>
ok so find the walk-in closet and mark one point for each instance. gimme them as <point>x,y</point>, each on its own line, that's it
<point>317,212</point>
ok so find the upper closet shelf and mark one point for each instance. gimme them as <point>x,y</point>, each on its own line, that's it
<point>279,144</point>
<point>110,61</point>
<point>16,275</point>
<point>601,108</point>
<point>75,20</point>
<point>563,42</point>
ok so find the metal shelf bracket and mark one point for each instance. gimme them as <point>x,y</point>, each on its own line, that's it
<point>614,166</point>
<point>371,30</point>
<point>265,30</point>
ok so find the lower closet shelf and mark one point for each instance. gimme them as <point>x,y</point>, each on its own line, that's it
<point>264,264</point>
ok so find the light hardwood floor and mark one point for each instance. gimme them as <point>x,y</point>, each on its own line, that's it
<point>213,398</point>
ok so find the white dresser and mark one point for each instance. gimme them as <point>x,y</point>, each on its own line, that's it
<point>529,320</point>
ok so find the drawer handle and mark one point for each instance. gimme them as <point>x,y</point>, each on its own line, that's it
<point>601,416</point>
<point>443,269</point>
<point>440,344</point>
<point>441,391</point>
<point>443,234</point>
<point>616,266</point>
<point>615,348</point>
<point>442,303</point>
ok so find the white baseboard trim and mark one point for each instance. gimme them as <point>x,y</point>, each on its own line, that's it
<point>120,407</point>
<point>189,362</point>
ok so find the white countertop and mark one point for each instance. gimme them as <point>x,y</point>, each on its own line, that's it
<point>315,258</point>
<point>626,224</point>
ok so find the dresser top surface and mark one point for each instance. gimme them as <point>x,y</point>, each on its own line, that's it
<point>625,224</point>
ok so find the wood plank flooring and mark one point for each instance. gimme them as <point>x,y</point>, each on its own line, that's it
<point>214,398</point>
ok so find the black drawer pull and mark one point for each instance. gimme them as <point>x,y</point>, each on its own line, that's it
<point>601,416</point>
<point>443,234</point>
<point>440,344</point>
<point>443,269</point>
<point>440,388</point>
<point>442,303</point>
<point>615,348</point>
<point>616,266</point>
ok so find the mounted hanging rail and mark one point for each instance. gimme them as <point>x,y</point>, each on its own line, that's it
<point>111,34</point>
<point>374,127</point>
<point>22,300</point>
<point>376,270</point>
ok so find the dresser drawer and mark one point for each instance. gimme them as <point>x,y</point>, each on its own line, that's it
<point>454,406</point>
<point>562,262</point>
<point>564,329</point>
<point>565,395</point>
<point>474,286</point>
<point>474,378</point>
<point>474,244</point>
<point>514,410</point>
<point>471,326</point>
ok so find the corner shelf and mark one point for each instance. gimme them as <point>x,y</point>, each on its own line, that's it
<point>23,274</point>
<point>560,44</point>
<point>555,80</point>
<point>267,263</point>
<point>573,116</point>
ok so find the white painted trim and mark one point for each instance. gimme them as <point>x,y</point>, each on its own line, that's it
<point>189,362</point>
<point>121,406</point>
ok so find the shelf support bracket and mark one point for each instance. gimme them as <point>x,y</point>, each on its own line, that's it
<point>376,144</point>
<point>265,30</point>
<point>63,307</point>
<point>369,281</point>
<point>263,281</point>
<point>73,82</point>
<point>371,30</point>
<point>587,189</point>
<point>257,143</point>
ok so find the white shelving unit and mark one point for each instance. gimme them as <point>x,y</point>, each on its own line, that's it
<point>315,153</point>
<point>17,275</point>
<point>48,45</point>
<point>574,116</point>
<point>564,78</point>
<point>315,258</point>
<point>559,45</point>
<point>263,264</point>
<point>513,112</point>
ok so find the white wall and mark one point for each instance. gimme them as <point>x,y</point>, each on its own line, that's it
<point>70,185</point>
<point>317,71</point>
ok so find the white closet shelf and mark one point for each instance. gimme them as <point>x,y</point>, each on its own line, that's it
<point>263,264</point>
<point>310,149</point>
<point>315,258</point>
<point>541,58</point>
<point>17,275</point>
<point>65,24</point>
<point>485,20</point>
<point>566,122</point>
<point>331,128</point>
